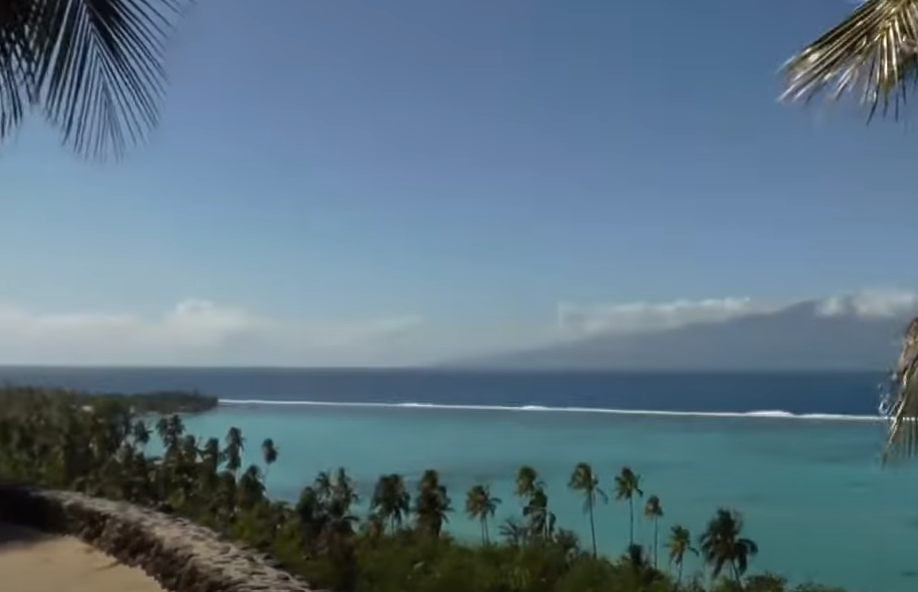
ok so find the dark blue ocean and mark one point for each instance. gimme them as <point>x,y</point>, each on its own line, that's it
<point>796,454</point>
<point>797,393</point>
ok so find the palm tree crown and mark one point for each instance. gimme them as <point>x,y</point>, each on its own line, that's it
<point>722,544</point>
<point>527,481</point>
<point>391,501</point>
<point>432,503</point>
<point>268,452</point>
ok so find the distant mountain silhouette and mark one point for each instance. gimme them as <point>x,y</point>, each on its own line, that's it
<point>799,337</point>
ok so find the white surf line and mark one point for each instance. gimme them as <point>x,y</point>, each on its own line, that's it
<point>648,412</point>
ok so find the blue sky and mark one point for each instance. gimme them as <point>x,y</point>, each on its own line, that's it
<point>461,166</point>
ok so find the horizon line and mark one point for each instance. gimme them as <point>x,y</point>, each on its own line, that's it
<point>441,369</point>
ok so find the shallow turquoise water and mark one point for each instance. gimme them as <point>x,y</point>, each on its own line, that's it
<point>812,493</point>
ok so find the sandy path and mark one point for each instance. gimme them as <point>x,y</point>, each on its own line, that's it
<point>34,562</point>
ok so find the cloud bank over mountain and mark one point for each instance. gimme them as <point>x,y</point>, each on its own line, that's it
<point>582,320</point>
<point>854,331</point>
<point>614,335</point>
<point>585,320</point>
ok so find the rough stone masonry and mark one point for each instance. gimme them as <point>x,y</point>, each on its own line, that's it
<point>180,555</point>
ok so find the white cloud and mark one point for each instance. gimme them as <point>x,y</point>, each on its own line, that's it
<point>579,320</point>
<point>583,320</point>
<point>193,332</point>
<point>871,303</point>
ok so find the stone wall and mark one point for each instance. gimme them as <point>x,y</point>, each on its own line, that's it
<point>180,555</point>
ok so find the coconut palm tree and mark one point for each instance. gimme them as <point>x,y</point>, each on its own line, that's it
<point>268,454</point>
<point>584,480</point>
<point>481,505</point>
<point>391,501</point>
<point>527,481</point>
<point>93,68</point>
<point>170,430</point>
<point>210,459</point>
<point>540,520</point>
<point>338,501</point>
<point>871,53</point>
<point>654,511</point>
<point>722,544</point>
<point>680,543</point>
<point>311,515</point>
<point>251,487</point>
<point>628,485</point>
<point>343,489</point>
<point>235,445</point>
<point>432,504</point>
<point>140,432</point>
<point>324,486</point>
<point>211,455</point>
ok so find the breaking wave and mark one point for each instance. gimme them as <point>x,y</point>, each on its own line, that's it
<point>763,414</point>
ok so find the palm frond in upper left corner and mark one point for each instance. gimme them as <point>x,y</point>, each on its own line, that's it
<point>15,83</point>
<point>98,68</point>
<point>871,53</point>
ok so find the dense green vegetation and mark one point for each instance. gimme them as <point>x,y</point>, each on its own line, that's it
<point>16,400</point>
<point>399,546</point>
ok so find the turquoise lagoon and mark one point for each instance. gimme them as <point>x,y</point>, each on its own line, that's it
<point>811,491</point>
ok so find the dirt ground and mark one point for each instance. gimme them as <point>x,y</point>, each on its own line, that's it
<point>31,561</point>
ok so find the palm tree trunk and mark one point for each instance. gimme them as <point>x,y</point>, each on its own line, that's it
<point>656,538</point>
<point>631,511</point>
<point>736,573</point>
<point>592,528</point>
<point>679,575</point>
<point>484,525</point>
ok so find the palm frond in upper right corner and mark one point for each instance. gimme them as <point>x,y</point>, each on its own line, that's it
<point>872,53</point>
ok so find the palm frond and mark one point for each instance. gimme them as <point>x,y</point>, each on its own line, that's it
<point>871,53</point>
<point>95,68</point>
<point>902,407</point>
<point>602,495</point>
<point>14,56</point>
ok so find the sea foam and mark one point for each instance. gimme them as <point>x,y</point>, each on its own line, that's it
<point>763,414</point>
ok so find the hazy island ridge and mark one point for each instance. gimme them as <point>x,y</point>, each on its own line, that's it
<point>800,337</point>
